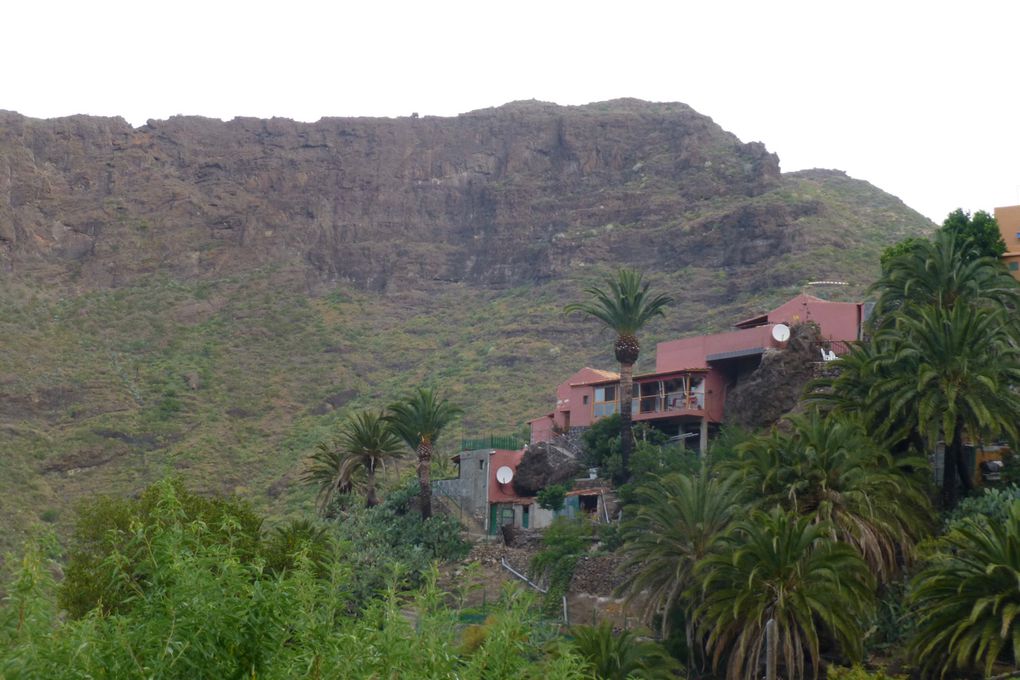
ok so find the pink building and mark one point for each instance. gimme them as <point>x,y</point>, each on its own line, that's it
<point>686,393</point>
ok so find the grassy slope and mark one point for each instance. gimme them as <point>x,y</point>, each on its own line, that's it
<point>226,382</point>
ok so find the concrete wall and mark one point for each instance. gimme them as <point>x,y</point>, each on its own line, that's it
<point>469,489</point>
<point>837,320</point>
<point>677,355</point>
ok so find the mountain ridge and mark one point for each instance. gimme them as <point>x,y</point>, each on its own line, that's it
<point>211,298</point>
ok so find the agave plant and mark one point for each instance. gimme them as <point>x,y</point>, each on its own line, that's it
<point>967,598</point>
<point>786,568</point>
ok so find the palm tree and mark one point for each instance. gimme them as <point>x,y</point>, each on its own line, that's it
<point>952,371</point>
<point>786,568</point>
<point>966,598</point>
<point>625,306</point>
<point>366,443</point>
<point>678,520</point>
<point>828,470</point>
<point>942,273</point>
<point>622,656</point>
<point>418,420</point>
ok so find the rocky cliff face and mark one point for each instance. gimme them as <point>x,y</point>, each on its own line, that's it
<point>214,298</point>
<point>500,196</point>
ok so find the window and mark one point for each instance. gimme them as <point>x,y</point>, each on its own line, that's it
<point>584,400</point>
<point>481,464</point>
<point>605,401</point>
<point>1014,266</point>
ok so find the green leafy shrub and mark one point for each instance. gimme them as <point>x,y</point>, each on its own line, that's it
<point>990,503</point>
<point>208,611</point>
<point>602,440</point>
<point>563,544</point>
<point>391,538</point>
<point>552,497</point>
<point>113,531</point>
<point>859,673</point>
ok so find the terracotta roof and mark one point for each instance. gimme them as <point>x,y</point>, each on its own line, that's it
<point>660,374</point>
<point>759,320</point>
<point>595,491</point>
<point>600,376</point>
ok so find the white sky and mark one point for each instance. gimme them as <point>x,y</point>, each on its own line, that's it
<point>920,98</point>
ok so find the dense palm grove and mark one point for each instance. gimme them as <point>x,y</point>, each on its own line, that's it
<point>830,526</point>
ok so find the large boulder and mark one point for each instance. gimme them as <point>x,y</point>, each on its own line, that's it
<point>761,398</point>
<point>545,464</point>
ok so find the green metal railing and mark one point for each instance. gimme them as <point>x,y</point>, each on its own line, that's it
<point>493,441</point>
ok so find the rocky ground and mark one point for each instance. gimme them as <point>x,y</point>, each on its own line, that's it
<point>480,578</point>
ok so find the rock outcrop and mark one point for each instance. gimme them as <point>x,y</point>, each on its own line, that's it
<point>500,196</point>
<point>762,397</point>
<point>545,464</point>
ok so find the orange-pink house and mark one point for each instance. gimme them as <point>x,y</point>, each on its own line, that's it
<point>686,393</point>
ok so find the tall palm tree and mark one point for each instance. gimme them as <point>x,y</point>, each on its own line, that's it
<point>786,568</point>
<point>418,420</point>
<point>366,443</point>
<point>966,598</point>
<point>677,521</point>
<point>828,470</point>
<point>624,305</point>
<point>953,372</point>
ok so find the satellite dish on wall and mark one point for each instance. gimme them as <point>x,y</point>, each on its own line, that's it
<point>504,475</point>
<point>780,332</point>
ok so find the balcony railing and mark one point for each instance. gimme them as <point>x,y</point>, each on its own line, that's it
<point>668,403</point>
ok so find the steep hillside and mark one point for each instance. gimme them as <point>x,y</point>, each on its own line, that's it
<point>211,298</point>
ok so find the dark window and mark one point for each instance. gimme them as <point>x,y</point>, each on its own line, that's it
<point>481,465</point>
<point>1013,266</point>
<point>584,400</point>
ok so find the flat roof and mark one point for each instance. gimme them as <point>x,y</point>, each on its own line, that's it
<point>735,354</point>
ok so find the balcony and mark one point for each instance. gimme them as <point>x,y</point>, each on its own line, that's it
<point>684,394</point>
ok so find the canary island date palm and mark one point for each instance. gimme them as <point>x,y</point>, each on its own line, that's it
<point>622,656</point>
<point>365,445</point>
<point>419,419</point>
<point>779,566</point>
<point>953,371</point>
<point>847,392</point>
<point>941,273</point>
<point>967,598</point>
<point>827,469</point>
<point>675,522</point>
<point>624,304</point>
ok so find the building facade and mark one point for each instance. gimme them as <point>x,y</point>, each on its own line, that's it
<point>686,393</point>
<point>1009,227</point>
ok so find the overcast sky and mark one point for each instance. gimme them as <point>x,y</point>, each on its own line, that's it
<point>921,99</point>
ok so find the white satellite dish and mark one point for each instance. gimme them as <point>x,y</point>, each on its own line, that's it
<point>504,475</point>
<point>780,332</point>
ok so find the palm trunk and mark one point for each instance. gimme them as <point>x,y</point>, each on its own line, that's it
<point>626,417</point>
<point>425,479</point>
<point>370,497</point>
<point>950,466</point>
